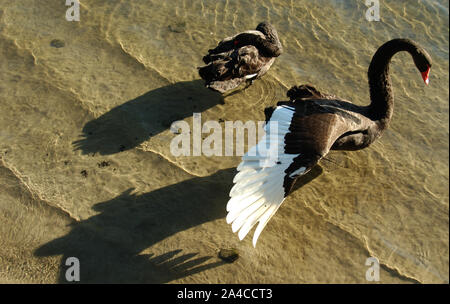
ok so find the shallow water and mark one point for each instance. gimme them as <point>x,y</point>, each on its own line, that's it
<point>86,168</point>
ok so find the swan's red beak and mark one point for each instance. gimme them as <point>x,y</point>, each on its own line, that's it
<point>425,76</point>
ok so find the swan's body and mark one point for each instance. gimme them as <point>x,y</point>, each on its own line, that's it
<point>243,57</point>
<point>303,130</point>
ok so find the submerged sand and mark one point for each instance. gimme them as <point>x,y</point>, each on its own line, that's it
<point>86,169</point>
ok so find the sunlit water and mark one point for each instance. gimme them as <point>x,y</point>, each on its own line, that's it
<point>86,168</point>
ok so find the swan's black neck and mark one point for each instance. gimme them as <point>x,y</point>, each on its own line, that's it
<point>381,95</point>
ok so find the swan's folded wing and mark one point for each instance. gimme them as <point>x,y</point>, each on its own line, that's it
<point>250,62</point>
<point>227,44</point>
<point>266,175</point>
<point>228,73</point>
<point>305,91</point>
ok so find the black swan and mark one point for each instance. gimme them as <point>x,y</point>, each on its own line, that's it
<point>243,57</point>
<point>303,130</point>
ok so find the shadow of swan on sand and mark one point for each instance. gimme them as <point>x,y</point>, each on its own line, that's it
<point>128,125</point>
<point>109,244</point>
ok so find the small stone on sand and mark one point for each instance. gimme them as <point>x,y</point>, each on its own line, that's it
<point>229,255</point>
<point>178,27</point>
<point>57,43</point>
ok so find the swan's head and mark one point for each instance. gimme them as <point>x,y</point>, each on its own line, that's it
<point>269,31</point>
<point>422,60</point>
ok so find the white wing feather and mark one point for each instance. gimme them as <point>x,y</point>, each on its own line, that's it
<point>258,191</point>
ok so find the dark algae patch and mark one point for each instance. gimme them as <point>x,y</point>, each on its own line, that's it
<point>228,255</point>
<point>177,27</point>
<point>57,43</point>
<point>84,173</point>
<point>103,164</point>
